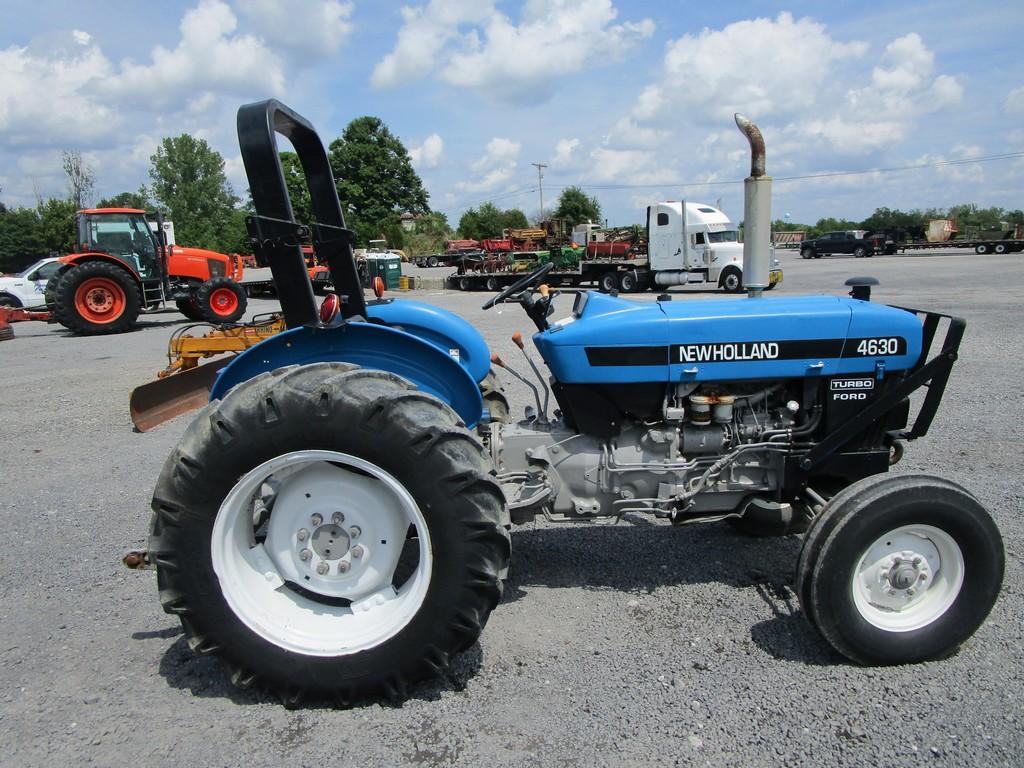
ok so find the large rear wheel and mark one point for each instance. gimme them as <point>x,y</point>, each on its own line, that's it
<point>331,532</point>
<point>900,569</point>
<point>96,297</point>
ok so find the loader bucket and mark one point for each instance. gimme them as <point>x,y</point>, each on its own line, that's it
<point>162,400</point>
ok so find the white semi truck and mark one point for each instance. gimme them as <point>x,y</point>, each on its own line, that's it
<point>700,247</point>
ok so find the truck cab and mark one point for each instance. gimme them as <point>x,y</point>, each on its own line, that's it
<point>694,243</point>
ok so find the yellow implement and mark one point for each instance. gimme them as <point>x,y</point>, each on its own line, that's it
<point>184,384</point>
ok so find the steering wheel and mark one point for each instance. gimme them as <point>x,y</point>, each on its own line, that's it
<point>524,282</point>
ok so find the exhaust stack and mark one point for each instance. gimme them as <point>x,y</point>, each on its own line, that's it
<point>757,213</point>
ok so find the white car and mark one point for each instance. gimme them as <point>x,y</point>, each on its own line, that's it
<point>26,289</point>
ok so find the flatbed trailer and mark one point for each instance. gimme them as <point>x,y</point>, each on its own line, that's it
<point>978,246</point>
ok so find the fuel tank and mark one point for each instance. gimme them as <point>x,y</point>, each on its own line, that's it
<point>610,340</point>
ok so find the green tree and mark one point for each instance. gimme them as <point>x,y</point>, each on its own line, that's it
<point>830,224</point>
<point>428,234</point>
<point>972,221</point>
<point>489,221</point>
<point>138,200</point>
<point>21,239</point>
<point>375,179</point>
<point>57,224</point>
<point>577,207</point>
<point>189,181</point>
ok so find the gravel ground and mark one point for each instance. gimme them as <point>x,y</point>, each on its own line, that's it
<point>635,644</point>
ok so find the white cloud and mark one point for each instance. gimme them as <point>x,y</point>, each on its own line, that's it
<point>905,64</point>
<point>497,164</point>
<point>74,96</point>
<point>428,154</point>
<point>424,33</point>
<point>1015,101</point>
<point>473,45</point>
<point>209,57</point>
<point>50,97</point>
<point>564,151</point>
<point>309,27</point>
<point>759,66</point>
<point>500,152</point>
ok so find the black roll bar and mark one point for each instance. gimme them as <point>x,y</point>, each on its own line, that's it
<point>276,236</point>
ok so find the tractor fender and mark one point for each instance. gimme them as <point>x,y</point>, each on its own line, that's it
<point>368,345</point>
<point>447,331</point>
<point>81,258</point>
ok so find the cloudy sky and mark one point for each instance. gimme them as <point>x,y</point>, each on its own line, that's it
<point>631,99</point>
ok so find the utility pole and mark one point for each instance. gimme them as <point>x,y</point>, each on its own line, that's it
<point>540,184</point>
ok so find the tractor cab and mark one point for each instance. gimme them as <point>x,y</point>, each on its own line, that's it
<point>124,233</point>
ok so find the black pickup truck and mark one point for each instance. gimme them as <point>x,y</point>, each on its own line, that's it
<point>855,241</point>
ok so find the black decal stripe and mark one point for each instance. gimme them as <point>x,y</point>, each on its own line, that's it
<point>599,356</point>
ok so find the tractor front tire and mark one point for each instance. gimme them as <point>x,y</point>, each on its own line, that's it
<point>898,569</point>
<point>96,298</point>
<point>331,532</point>
<point>220,300</point>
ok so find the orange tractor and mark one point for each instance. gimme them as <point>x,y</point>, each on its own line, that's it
<point>121,268</point>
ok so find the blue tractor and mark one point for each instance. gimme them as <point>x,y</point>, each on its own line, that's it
<point>335,523</point>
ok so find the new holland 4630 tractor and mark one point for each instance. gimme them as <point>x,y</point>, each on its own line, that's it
<point>335,523</point>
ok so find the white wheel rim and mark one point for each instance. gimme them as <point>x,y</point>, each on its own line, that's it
<point>908,578</point>
<point>336,529</point>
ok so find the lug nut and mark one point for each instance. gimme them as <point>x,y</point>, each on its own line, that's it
<point>303,534</point>
<point>343,566</point>
<point>305,555</point>
<point>321,568</point>
<point>317,519</point>
<point>910,591</point>
<point>337,518</point>
<point>916,561</point>
<point>923,576</point>
<point>357,551</point>
<point>354,531</point>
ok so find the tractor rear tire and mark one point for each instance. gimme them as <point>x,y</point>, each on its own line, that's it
<point>274,487</point>
<point>981,249</point>
<point>220,300</point>
<point>96,298</point>
<point>628,282</point>
<point>608,282</point>
<point>898,569</point>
